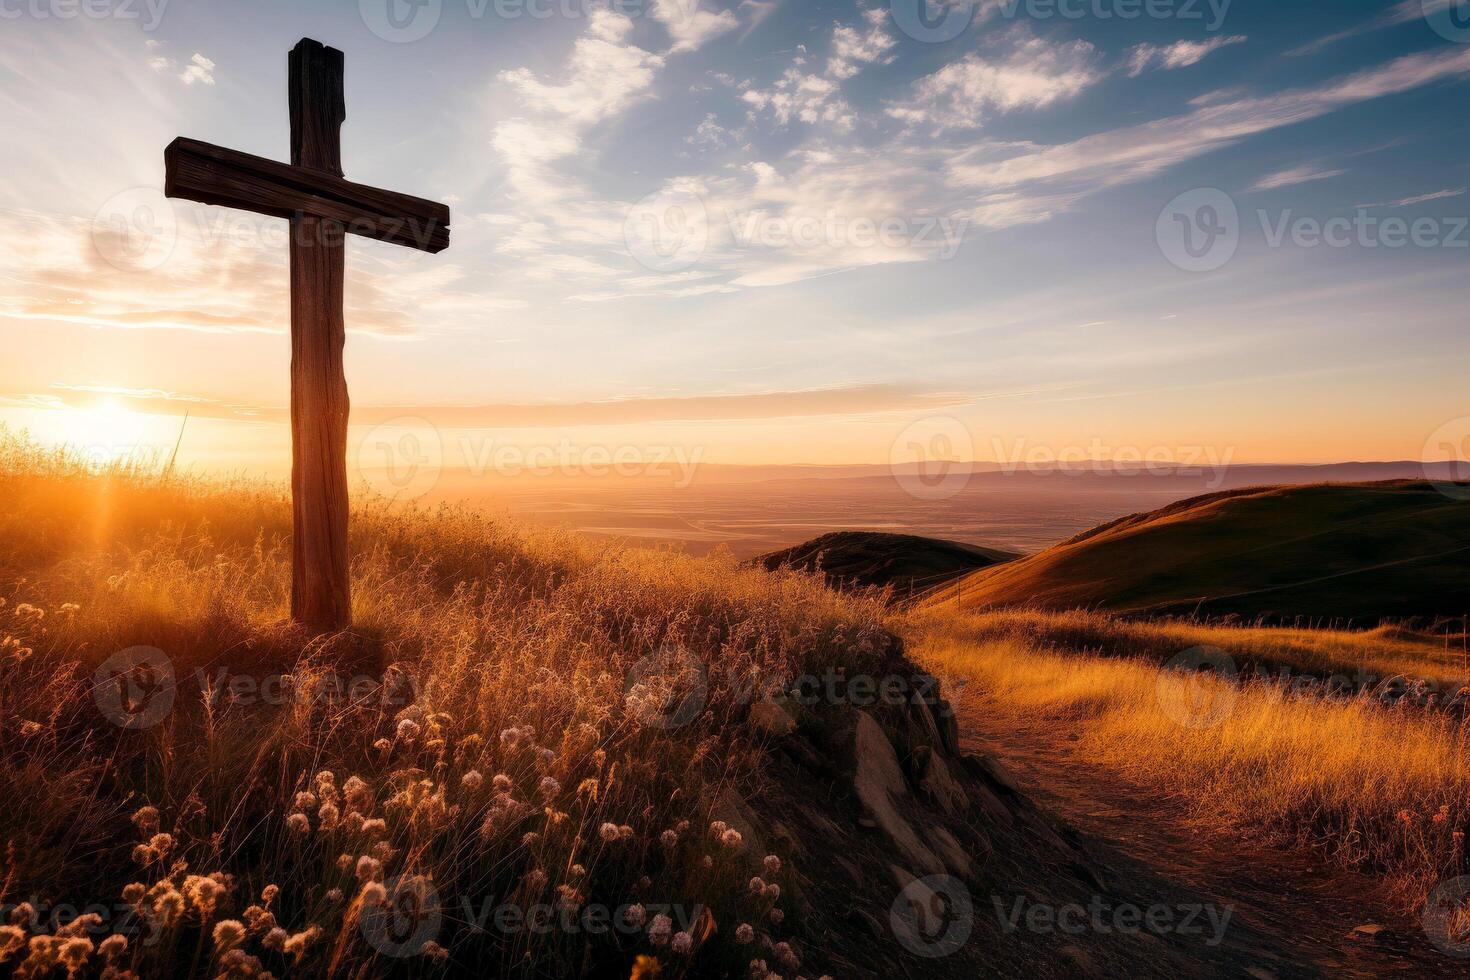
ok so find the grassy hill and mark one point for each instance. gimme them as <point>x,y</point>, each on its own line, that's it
<point>1356,553</point>
<point>906,562</point>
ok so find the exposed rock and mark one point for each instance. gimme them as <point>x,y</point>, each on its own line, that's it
<point>878,782</point>
<point>1370,933</point>
<point>942,788</point>
<point>771,718</point>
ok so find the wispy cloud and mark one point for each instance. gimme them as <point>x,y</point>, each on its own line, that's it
<point>1293,176</point>
<point>1418,199</point>
<point>1180,54</point>
<point>1400,13</point>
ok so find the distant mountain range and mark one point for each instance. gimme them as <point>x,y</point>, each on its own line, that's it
<point>906,562</point>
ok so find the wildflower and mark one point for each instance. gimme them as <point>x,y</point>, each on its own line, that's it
<point>374,826</point>
<point>110,948</point>
<point>345,862</point>
<point>786,956</point>
<point>660,930</point>
<point>269,892</point>
<point>608,831</point>
<point>777,916</point>
<point>384,851</point>
<point>549,786</point>
<point>635,916</point>
<point>382,745</point>
<point>569,897</point>
<point>296,944</point>
<point>772,865</point>
<point>732,839</point>
<point>228,933</point>
<point>408,730</point>
<point>625,832</point>
<point>329,816</point>
<point>373,893</point>
<point>162,843</point>
<point>353,821</point>
<point>669,839</point>
<point>758,970</point>
<point>146,820</point>
<point>509,737</point>
<point>333,895</point>
<point>682,943</point>
<point>545,756</point>
<point>588,788</point>
<point>435,952</point>
<point>275,940</point>
<point>717,829</point>
<point>707,862</point>
<point>529,838</point>
<point>133,892</point>
<point>326,782</point>
<point>757,885</point>
<point>501,783</point>
<point>26,612</point>
<point>471,780</point>
<point>30,729</point>
<point>144,855</point>
<point>12,938</point>
<point>744,934</point>
<point>369,868</point>
<point>204,893</point>
<point>298,823</point>
<point>535,879</point>
<point>304,801</point>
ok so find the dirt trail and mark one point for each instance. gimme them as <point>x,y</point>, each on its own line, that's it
<point>1291,915</point>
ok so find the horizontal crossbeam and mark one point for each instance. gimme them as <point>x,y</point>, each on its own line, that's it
<point>211,174</point>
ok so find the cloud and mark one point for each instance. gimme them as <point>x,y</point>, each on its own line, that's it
<point>852,48</point>
<point>1399,13</point>
<point>1034,74</point>
<point>802,97</point>
<point>1293,176</point>
<point>1137,152</point>
<point>199,69</point>
<point>1180,54</point>
<point>689,27</point>
<point>1419,199</point>
<point>842,400</point>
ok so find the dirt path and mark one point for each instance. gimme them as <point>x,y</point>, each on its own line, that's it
<point>1290,915</point>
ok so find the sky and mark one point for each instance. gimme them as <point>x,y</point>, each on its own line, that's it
<point>762,231</point>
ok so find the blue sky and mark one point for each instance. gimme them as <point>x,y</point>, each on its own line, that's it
<point>856,228</point>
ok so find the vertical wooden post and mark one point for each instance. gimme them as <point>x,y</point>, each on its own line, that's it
<point>321,597</point>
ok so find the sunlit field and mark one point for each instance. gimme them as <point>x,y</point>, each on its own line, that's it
<point>1381,789</point>
<point>509,734</point>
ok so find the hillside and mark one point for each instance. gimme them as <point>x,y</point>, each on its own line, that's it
<point>906,562</point>
<point>1356,553</point>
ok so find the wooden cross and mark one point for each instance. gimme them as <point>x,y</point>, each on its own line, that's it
<point>322,208</point>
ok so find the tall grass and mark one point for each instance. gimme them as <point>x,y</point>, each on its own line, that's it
<point>1382,789</point>
<point>508,747</point>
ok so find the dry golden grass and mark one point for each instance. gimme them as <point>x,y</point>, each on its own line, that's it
<point>236,837</point>
<point>1386,790</point>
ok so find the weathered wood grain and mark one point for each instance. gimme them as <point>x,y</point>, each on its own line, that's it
<point>211,174</point>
